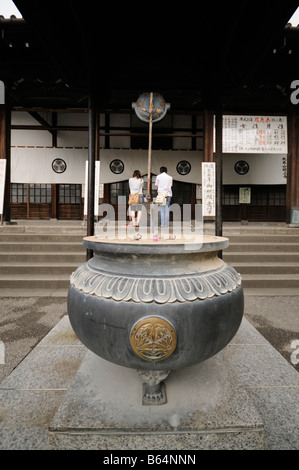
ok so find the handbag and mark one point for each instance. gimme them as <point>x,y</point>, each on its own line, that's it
<point>161,199</point>
<point>134,198</point>
<point>161,196</point>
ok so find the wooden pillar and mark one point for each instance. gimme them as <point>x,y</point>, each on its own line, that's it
<point>97,136</point>
<point>91,171</point>
<point>292,200</point>
<point>2,132</point>
<point>208,139</point>
<point>53,201</point>
<point>5,153</point>
<point>218,160</point>
<point>54,132</point>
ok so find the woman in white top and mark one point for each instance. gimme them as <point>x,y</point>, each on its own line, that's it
<point>135,185</point>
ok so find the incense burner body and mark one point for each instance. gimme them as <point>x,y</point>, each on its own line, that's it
<point>155,307</point>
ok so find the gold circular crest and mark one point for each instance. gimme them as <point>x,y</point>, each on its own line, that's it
<point>153,339</point>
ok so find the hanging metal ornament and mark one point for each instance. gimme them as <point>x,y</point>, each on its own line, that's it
<point>150,107</point>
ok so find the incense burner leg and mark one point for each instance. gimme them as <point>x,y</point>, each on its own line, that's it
<point>154,392</point>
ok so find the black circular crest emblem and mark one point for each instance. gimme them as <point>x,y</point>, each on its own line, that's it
<point>241,167</point>
<point>117,167</point>
<point>183,168</point>
<point>58,165</point>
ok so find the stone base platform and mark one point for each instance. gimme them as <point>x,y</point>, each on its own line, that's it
<point>206,409</point>
<point>245,397</point>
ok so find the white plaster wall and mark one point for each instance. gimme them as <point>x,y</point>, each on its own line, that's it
<point>263,169</point>
<point>72,139</point>
<point>72,119</point>
<point>28,137</point>
<point>32,164</point>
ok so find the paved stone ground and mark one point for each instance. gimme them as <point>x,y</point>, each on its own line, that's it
<point>277,319</point>
<point>25,321</point>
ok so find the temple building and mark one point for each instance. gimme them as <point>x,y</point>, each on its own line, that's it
<point>69,79</point>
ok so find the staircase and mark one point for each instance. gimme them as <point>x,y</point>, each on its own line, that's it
<point>267,257</point>
<point>39,259</point>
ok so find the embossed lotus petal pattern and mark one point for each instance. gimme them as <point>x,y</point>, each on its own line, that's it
<point>160,290</point>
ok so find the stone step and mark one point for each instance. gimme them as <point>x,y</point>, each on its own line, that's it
<point>38,268</point>
<point>42,257</point>
<point>34,281</point>
<point>263,239</point>
<point>263,247</point>
<point>80,227</point>
<point>40,246</point>
<point>75,237</point>
<point>267,268</point>
<point>237,244</point>
<point>60,281</point>
<point>262,257</point>
<point>55,228</point>
<point>249,229</point>
<point>43,237</point>
<point>67,267</point>
<point>271,281</point>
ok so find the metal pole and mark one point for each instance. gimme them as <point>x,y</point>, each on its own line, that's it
<point>218,160</point>
<point>91,171</point>
<point>149,162</point>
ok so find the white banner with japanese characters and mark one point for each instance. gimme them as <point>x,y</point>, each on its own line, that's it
<point>208,189</point>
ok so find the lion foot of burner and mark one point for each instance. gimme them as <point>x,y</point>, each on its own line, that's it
<point>153,388</point>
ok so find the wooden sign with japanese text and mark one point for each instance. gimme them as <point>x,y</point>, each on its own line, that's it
<point>244,195</point>
<point>208,189</point>
<point>254,134</point>
<point>2,183</point>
